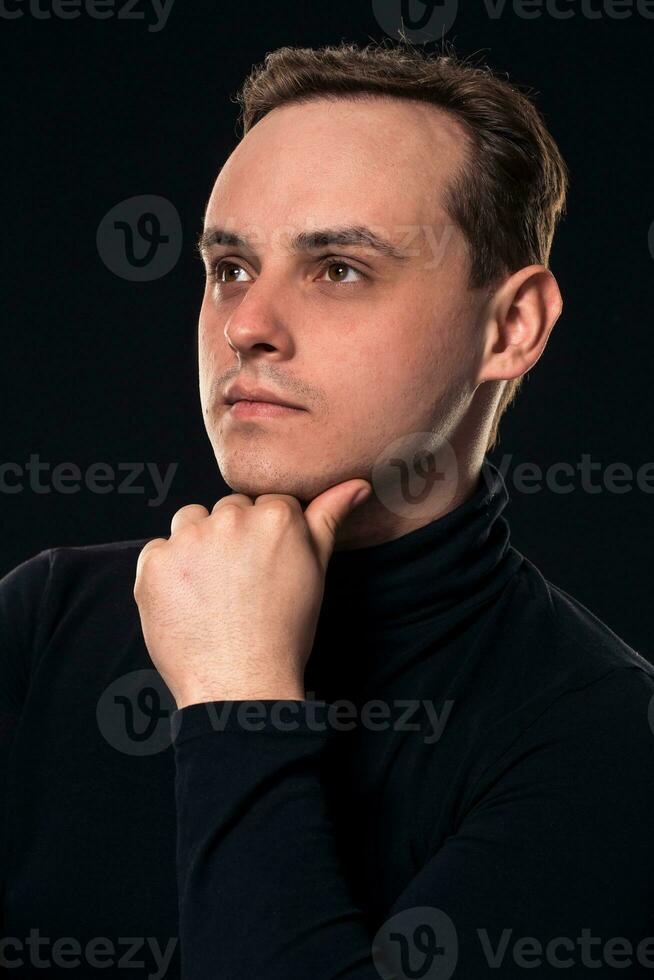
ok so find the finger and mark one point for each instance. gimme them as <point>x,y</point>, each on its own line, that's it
<point>326,513</point>
<point>233,500</point>
<point>190,514</point>
<point>150,546</point>
<point>293,502</point>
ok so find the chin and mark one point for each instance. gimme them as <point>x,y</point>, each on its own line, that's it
<point>256,476</point>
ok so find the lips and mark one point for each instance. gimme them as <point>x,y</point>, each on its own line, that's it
<point>239,392</point>
<point>244,409</point>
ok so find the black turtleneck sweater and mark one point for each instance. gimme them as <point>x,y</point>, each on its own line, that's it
<point>467,790</point>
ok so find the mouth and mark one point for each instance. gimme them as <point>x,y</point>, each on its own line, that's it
<point>260,409</point>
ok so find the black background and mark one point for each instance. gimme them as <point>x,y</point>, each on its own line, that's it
<point>99,368</point>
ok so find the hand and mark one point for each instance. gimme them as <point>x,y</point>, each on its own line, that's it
<point>229,604</point>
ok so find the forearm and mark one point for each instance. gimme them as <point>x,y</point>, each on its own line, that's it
<point>262,891</point>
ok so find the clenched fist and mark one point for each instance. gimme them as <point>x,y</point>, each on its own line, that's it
<point>229,604</point>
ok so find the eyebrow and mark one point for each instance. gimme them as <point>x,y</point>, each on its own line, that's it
<point>306,241</point>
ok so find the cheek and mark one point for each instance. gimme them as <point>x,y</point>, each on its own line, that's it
<point>411,347</point>
<point>209,345</point>
<point>205,356</point>
<point>207,323</point>
<point>416,364</point>
<point>211,333</point>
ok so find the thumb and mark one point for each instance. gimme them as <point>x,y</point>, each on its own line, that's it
<point>328,510</point>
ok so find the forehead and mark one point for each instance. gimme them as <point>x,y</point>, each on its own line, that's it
<point>374,160</point>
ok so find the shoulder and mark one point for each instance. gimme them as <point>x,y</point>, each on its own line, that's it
<point>567,637</point>
<point>107,560</point>
<point>61,586</point>
<point>587,756</point>
<point>553,679</point>
<point>68,567</point>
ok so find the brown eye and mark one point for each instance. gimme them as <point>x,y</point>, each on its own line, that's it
<point>223,266</point>
<point>341,270</point>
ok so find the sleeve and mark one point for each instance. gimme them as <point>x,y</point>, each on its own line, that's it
<point>552,867</point>
<point>21,591</point>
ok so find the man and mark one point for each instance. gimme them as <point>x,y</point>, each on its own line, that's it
<point>398,750</point>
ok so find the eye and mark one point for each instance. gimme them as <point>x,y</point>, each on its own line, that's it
<point>340,264</point>
<point>217,268</point>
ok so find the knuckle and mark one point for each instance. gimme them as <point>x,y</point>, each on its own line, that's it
<point>149,549</point>
<point>189,509</point>
<point>150,555</point>
<point>188,515</point>
<point>188,533</point>
<point>227,513</point>
<point>278,511</point>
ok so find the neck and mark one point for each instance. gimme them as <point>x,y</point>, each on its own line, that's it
<point>393,511</point>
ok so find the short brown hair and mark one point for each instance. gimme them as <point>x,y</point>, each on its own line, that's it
<point>510,198</point>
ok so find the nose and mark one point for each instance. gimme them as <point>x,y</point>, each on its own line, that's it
<point>258,326</point>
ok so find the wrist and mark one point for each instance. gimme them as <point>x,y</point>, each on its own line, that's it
<point>291,691</point>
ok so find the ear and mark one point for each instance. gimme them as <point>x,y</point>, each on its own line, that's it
<point>518,321</point>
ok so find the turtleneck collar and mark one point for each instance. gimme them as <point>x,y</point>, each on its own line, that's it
<point>457,560</point>
<point>384,602</point>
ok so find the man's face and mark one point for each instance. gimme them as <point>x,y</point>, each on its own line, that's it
<point>372,346</point>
